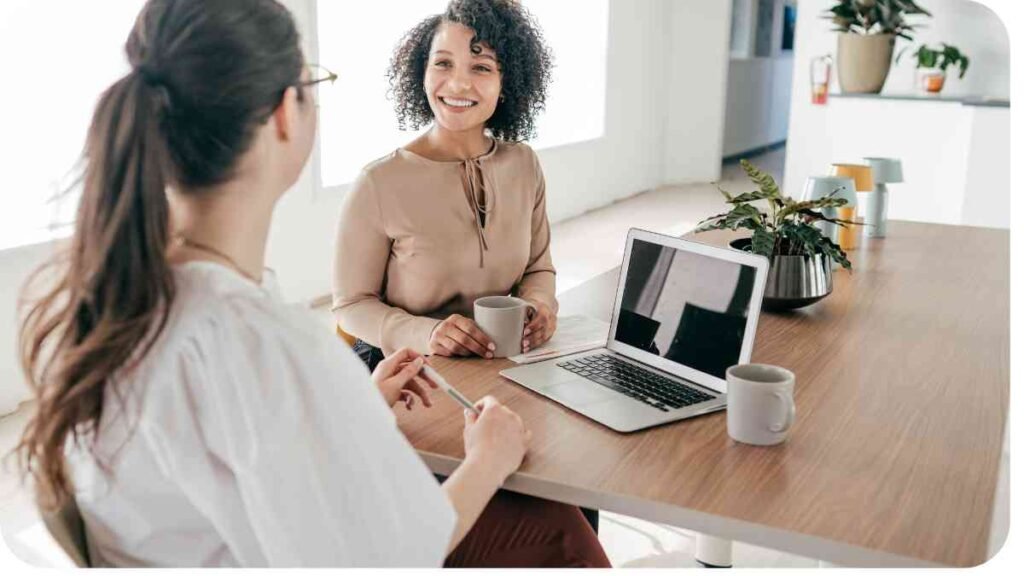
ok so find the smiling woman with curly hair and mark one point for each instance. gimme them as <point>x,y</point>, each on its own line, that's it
<point>460,212</point>
<point>526,71</point>
<point>457,214</point>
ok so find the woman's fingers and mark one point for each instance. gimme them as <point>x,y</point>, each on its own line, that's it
<point>472,338</point>
<point>419,387</point>
<point>454,347</point>
<point>392,363</point>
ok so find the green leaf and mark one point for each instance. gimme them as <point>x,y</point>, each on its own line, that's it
<point>744,216</point>
<point>762,179</point>
<point>763,242</point>
<point>750,197</point>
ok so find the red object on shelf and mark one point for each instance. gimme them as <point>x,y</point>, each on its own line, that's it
<point>821,76</point>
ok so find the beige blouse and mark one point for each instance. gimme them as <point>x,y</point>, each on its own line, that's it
<point>420,239</point>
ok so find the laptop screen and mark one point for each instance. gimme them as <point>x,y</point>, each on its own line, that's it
<point>688,308</point>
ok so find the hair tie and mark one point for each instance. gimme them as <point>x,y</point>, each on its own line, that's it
<point>149,75</point>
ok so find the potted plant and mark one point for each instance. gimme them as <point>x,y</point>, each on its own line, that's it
<point>867,34</point>
<point>932,64</point>
<point>801,255</point>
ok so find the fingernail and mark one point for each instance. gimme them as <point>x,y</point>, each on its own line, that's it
<point>489,355</point>
<point>527,333</point>
<point>491,346</point>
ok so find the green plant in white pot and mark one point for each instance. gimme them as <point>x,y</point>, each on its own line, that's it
<point>867,34</point>
<point>933,62</point>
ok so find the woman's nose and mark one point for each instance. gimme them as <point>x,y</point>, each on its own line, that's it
<point>459,82</point>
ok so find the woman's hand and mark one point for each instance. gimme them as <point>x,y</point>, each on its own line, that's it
<point>496,438</point>
<point>540,327</point>
<point>398,378</point>
<point>460,336</point>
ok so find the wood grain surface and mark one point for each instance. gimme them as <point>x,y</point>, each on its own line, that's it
<point>902,394</point>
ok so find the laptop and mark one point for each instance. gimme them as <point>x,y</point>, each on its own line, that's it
<point>684,312</point>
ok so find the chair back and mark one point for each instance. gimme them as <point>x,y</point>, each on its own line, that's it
<point>348,338</point>
<point>67,527</point>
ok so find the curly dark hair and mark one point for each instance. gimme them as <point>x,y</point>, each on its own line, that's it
<point>524,57</point>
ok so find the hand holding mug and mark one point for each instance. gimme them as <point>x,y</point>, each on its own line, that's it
<point>460,336</point>
<point>541,325</point>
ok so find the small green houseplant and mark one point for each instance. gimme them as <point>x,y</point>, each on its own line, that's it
<point>786,227</point>
<point>933,62</point>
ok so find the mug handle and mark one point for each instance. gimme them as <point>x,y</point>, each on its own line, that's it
<point>790,406</point>
<point>532,309</point>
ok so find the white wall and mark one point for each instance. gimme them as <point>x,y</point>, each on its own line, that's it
<point>986,200</point>
<point>698,61</point>
<point>757,108</point>
<point>665,107</point>
<point>759,85</point>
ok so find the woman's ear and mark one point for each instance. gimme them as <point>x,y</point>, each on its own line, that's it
<point>286,114</point>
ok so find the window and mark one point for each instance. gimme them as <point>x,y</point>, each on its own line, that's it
<point>57,57</point>
<point>356,39</point>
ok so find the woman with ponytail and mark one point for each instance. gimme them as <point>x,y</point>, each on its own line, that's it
<point>194,418</point>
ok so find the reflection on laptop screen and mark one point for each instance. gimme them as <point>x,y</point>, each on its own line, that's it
<point>685,307</point>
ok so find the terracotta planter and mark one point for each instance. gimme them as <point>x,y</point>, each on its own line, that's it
<point>931,80</point>
<point>864,62</point>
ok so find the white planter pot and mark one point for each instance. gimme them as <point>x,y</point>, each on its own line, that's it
<point>864,62</point>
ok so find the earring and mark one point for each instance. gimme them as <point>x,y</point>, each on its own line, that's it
<point>501,98</point>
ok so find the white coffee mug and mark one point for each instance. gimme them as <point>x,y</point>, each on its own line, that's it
<point>503,318</point>
<point>760,403</point>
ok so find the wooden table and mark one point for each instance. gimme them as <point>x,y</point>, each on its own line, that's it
<point>902,394</point>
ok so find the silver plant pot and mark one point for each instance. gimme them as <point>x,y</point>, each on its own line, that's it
<point>793,281</point>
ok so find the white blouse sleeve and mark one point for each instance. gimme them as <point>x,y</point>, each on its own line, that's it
<point>280,437</point>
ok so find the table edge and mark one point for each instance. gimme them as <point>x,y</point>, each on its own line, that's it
<point>813,547</point>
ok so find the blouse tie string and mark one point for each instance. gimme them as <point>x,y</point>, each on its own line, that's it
<point>477,195</point>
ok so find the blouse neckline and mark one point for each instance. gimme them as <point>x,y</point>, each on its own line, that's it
<point>485,156</point>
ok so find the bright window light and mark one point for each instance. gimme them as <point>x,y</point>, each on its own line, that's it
<point>57,57</point>
<point>356,39</point>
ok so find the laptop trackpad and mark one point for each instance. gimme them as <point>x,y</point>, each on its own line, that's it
<point>580,392</point>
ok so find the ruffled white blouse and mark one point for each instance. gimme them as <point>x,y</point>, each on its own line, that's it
<point>251,436</point>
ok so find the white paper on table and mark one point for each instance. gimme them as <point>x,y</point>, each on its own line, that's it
<point>574,334</point>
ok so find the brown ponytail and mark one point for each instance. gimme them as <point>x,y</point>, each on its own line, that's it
<point>205,74</point>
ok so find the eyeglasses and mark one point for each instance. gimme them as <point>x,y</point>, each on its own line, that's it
<point>317,75</point>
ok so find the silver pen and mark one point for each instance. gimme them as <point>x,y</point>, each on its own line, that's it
<point>448,388</point>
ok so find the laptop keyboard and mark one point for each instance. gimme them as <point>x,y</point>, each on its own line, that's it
<point>635,382</point>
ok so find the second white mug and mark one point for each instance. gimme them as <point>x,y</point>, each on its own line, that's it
<point>760,403</point>
<point>503,319</point>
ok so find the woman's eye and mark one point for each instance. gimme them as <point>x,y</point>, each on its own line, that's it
<point>482,69</point>
<point>443,64</point>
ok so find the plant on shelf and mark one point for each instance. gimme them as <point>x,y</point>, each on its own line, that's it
<point>867,34</point>
<point>933,62</point>
<point>786,228</point>
<point>874,16</point>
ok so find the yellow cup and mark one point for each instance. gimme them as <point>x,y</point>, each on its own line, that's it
<point>848,234</point>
